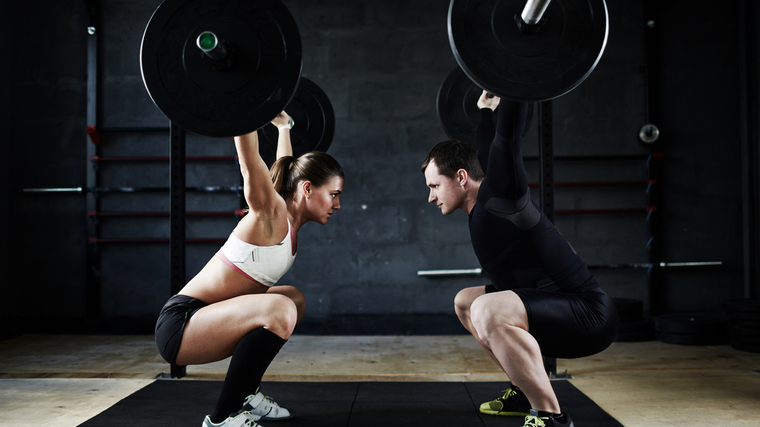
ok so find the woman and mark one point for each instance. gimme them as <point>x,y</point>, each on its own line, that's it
<point>230,308</point>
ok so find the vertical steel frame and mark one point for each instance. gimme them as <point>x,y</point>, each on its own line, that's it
<point>177,217</point>
<point>546,186</point>
<point>93,289</point>
<point>546,159</point>
<point>652,43</point>
<point>749,116</point>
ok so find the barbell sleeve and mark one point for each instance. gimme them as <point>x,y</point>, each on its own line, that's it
<point>210,44</point>
<point>534,11</point>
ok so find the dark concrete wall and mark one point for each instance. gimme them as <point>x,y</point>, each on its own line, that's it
<point>381,64</point>
<point>699,104</point>
<point>5,124</point>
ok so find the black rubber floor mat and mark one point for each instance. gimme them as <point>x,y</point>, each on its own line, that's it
<point>338,404</point>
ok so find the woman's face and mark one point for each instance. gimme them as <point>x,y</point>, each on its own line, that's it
<point>325,200</point>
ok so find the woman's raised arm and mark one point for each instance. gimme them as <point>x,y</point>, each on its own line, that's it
<point>284,123</point>
<point>257,185</point>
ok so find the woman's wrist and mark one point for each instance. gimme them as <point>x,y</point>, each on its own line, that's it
<point>288,125</point>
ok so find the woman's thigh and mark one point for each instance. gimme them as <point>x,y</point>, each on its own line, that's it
<point>215,330</point>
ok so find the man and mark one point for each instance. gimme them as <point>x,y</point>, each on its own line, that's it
<point>542,299</point>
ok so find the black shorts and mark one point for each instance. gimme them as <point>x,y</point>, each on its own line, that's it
<point>171,324</point>
<point>567,325</point>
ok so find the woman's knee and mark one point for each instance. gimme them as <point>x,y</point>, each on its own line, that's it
<point>299,300</point>
<point>280,314</point>
<point>295,295</point>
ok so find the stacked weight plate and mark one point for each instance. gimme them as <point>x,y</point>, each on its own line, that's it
<point>633,327</point>
<point>693,329</point>
<point>744,324</point>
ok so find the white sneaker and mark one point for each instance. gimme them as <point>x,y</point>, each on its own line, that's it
<point>266,408</point>
<point>241,419</point>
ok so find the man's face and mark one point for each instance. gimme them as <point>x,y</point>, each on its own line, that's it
<point>445,192</point>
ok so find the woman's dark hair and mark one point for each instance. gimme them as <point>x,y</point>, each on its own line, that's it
<point>316,167</point>
<point>450,156</point>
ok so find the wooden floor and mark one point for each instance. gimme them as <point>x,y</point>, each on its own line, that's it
<point>63,380</point>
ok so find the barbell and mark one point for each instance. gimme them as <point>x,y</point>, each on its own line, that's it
<point>457,107</point>
<point>528,51</point>
<point>314,119</point>
<point>224,68</point>
<point>221,68</point>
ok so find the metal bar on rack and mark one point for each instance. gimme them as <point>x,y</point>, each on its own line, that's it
<point>136,129</point>
<point>461,272</point>
<point>238,212</point>
<point>96,190</point>
<point>154,240</point>
<point>96,159</point>
<point>643,266</point>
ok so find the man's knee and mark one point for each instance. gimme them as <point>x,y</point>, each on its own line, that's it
<point>464,298</point>
<point>482,318</point>
<point>492,314</point>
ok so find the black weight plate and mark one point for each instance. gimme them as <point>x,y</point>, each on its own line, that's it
<point>642,330</point>
<point>635,336</point>
<point>745,324</point>
<point>692,323</point>
<point>457,107</point>
<point>747,339</point>
<point>492,51</point>
<point>738,316</point>
<point>314,119</point>
<point>738,332</point>
<point>692,339</point>
<point>187,87</point>
<point>629,309</point>
<point>744,346</point>
<point>742,306</point>
<point>637,326</point>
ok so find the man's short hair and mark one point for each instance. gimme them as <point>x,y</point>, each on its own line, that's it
<point>450,156</point>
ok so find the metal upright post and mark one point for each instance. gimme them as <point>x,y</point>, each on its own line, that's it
<point>93,228</point>
<point>546,187</point>
<point>546,157</point>
<point>748,48</point>
<point>653,41</point>
<point>177,218</point>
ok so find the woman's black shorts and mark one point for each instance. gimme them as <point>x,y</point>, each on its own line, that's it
<point>171,324</point>
<point>569,324</point>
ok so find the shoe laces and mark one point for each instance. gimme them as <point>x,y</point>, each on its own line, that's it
<point>508,393</point>
<point>269,405</point>
<point>251,421</point>
<point>534,421</point>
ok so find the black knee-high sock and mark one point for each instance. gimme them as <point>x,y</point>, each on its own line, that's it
<point>250,360</point>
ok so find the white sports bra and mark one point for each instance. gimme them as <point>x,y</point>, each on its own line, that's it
<point>262,264</point>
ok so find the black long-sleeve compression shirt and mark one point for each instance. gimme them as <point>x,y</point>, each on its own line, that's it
<point>514,241</point>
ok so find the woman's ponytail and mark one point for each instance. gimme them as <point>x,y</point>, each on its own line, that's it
<point>280,173</point>
<point>316,167</point>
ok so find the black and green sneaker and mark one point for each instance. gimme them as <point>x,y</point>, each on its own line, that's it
<point>512,404</point>
<point>545,419</point>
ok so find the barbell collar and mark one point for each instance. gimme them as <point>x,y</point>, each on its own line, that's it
<point>534,11</point>
<point>210,45</point>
